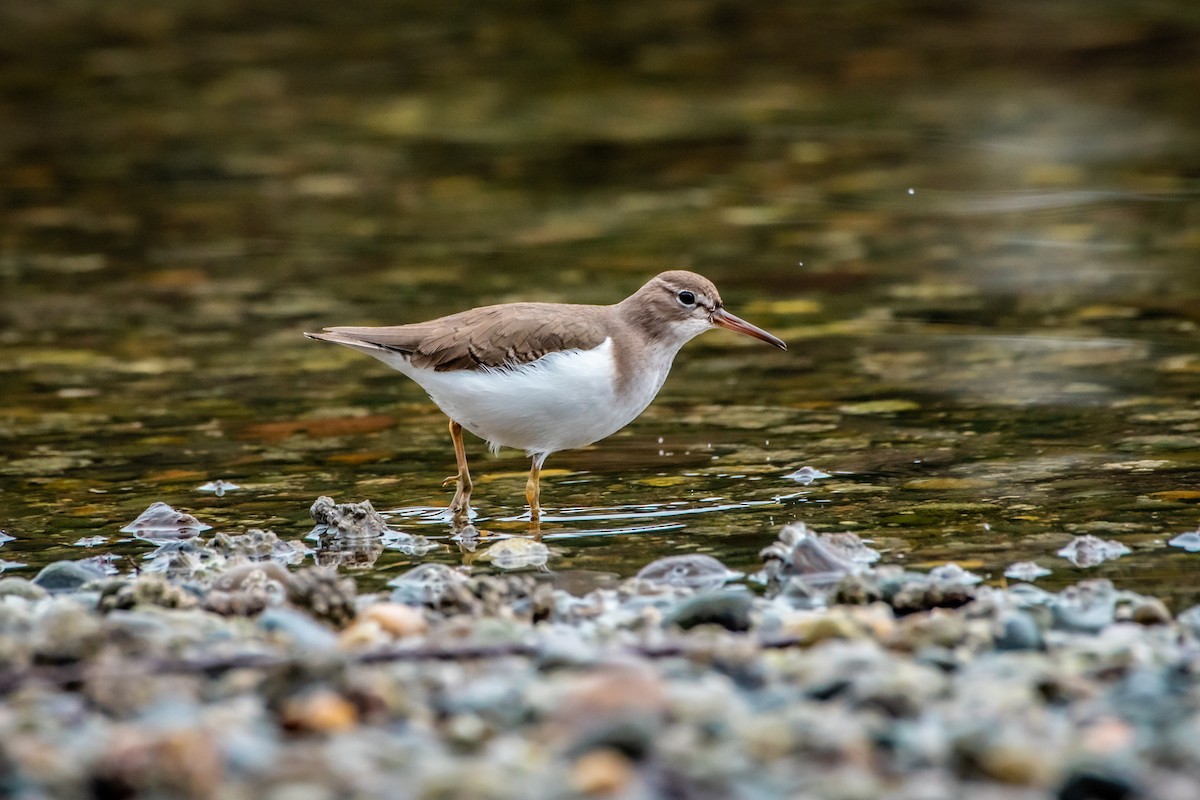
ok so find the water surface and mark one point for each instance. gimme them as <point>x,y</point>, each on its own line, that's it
<point>980,242</point>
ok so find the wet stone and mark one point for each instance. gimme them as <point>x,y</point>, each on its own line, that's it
<point>152,590</point>
<point>22,587</point>
<point>218,487</point>
<point>1189,541</point>
<point>728,609</point>
<point>1018,630</point>
<point>820,559</point>
<point>346,520</point>
<point>1088,606</point>
<point>806,475</point>
<point>1088,551</point>
<point>258,545</point>
<point>324,594</point>
<point>1025,571</point>
<point>68,576</point>
<point>1150,611</point>
<point>693,571</point>
<point>517,553</point>
<point>952,574</point>
<point>160,524</point>
<point>428,584</point>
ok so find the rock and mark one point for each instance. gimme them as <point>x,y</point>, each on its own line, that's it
<point>258,545</point>
<point>325,594</point>
<point>242,576</point>
<point>1189,541</point>
<point>65,633</point>
<point>519,552</point>
<point>398,620</point>
<point>429,584</point>
<point>1025,571</point>
<point>1088,551</point>
<point>602,771</point>
<point>1098,784</point>
<point>318,711</point>
<point>821,560</point>
<point>1088,606</point>
<point>806,475</point>
<point>148,589</point>
<point>1151,611</point>
<point>951,574</point>
<point>728,609</point>
<point>692,571</point>
<point>160,524</point>
<point>812,627</point>
<point>346,520</point>
<point>22,587</point>
<point>68,576</point>
<point>1018,630</point>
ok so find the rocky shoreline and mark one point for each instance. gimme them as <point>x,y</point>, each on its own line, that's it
<point>220,672</point>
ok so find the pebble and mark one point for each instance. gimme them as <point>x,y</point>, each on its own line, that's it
<point>22,587</point>
<point>1025,571</point>
<point>728,609</point>
<point>932,686</point>
<point>67,576</point>
<point>398,620</point>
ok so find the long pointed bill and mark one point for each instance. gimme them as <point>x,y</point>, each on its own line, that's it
<point>738,325</point>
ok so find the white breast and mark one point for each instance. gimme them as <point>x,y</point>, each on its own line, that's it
<point>561,401</point>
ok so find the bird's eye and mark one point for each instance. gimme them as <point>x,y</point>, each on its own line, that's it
<point>686,298</point>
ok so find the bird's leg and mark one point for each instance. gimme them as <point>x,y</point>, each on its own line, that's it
<point>533,490</point>
<point>460,506</point>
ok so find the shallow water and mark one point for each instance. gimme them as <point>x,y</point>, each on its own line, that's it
<point>981,244</point>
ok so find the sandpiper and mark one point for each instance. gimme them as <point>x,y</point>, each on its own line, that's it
<point>544,377</point>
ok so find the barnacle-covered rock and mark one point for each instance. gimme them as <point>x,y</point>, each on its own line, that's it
<point>346,520</point>
<point>325,594</point>
<point>258,545</point>
<point>246,590</point>
<point>146,590</point>
<point>820,560</point>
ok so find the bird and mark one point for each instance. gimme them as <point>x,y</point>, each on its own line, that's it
<point>546,377</point>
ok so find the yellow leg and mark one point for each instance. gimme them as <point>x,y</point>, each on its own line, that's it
<point>460,506</point>
<point>533,491</point>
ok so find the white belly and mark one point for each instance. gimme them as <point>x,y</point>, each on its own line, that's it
<point>559,402</point>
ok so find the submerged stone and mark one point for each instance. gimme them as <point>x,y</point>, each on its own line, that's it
<point>259,545</point>
<point>218,487</point>
<point>952,574</point>
<point>820,559</point>
<point>427,584</point>
<point>346,520</point>
<point>1025,571</point>
<point>692,571</point>
<point>806,475</point>
<point>517,553</point>
<point>1189,541</point>
<point>1088,551</point>
<point>160,524</point>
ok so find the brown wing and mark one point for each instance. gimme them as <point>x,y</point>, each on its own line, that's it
<point>489,337</point>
